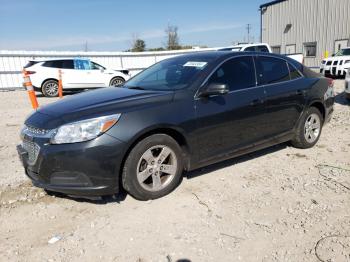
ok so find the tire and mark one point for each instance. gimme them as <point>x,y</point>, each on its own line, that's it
<point>347,96</point>
<point>117,81</point>
<point>143,174</point>
<point>309,129</point>
<point>50,88</point>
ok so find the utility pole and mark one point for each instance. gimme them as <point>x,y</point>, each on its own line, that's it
<point>249,27</point>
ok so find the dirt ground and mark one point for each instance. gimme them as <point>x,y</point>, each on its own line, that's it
<point>278,204</point>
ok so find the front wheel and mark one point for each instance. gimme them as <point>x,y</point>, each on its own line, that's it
<point>309,129</point>
<point>50,88</point>
<point>153,168</point>
<point>117,81</point>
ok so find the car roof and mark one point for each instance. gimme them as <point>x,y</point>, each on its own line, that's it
<point>55,59</point>
<point>222,55</point>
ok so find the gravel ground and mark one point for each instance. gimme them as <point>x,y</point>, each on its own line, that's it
<point>278,204</point>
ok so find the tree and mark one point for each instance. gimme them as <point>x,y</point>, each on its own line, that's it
<point>139,45</point>
<point>172,38</point>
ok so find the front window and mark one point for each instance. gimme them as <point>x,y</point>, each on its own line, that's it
<point>82,64</point>
<point>237,73</point>
<point>344,51</point>
<point>171,74</point>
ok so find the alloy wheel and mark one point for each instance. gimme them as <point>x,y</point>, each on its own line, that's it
<point>312,128</point>
<point>51,89</point>
<point>156,168</point>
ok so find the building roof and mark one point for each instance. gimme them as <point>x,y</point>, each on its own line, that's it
<point>272,3</point>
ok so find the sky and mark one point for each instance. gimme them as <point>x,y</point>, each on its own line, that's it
<point>110,25</point>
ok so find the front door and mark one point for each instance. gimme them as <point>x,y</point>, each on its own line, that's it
<point>232,121</point>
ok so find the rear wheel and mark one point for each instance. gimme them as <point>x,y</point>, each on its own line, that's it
<point>309,129</point>
<point>153,168</point>
<point>50,88</point>
<point>347,96</point>
<point>117,81</point>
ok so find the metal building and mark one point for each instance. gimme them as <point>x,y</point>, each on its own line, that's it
<point>316,28</point>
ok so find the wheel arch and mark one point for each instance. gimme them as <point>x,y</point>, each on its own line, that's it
<point>48,79</point>
<point>319,105</point>
<point>114,77</point>
<point>170,131</point>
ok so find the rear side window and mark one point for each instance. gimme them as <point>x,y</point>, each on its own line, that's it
<point>53,63</point>
<point>238,73</point>
<point>294,73</point>
<point>67,64</point>
<point>271,70</point>
<point>262,48</point>
<point>250,49</point>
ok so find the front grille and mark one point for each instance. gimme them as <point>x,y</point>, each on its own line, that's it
<point>32,150</point>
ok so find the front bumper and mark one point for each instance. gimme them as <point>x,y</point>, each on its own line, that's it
<point>86,169</point>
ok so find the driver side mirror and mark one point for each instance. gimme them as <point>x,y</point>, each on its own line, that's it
<point>102,70</point>
<point>214,89</point>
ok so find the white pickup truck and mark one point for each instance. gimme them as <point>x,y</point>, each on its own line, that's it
<point>259,47</point>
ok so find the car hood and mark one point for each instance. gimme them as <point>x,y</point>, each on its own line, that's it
<point>104,101</point>
<point>335,58</point>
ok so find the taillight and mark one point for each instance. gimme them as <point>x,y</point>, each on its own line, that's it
<point>30,72</point>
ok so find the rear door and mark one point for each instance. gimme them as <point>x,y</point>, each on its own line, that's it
<point>285,93</point>
<point>67,68</point>
<point>232,121</point>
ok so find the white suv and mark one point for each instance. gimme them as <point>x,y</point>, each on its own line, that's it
<point>347,85</point>
<point>338,64</point>
<point>76,74</point>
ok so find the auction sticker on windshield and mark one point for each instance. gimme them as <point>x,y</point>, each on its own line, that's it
<point>196,64</point>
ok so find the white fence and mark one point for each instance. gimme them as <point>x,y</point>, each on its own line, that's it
<point>12,62</point>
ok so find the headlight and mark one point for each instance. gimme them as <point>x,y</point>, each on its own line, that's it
<point>84,130</point>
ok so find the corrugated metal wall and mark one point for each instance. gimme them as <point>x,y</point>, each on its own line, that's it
<point>12,62</point>
<point>321,21</point>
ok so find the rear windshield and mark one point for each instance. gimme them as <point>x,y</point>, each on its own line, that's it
<point>31,63</point>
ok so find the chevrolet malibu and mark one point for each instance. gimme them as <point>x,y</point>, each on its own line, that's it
<point>178,115</point>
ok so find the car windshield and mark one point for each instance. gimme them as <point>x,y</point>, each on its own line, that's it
<point>341,52</point>
<point>171,74</point>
